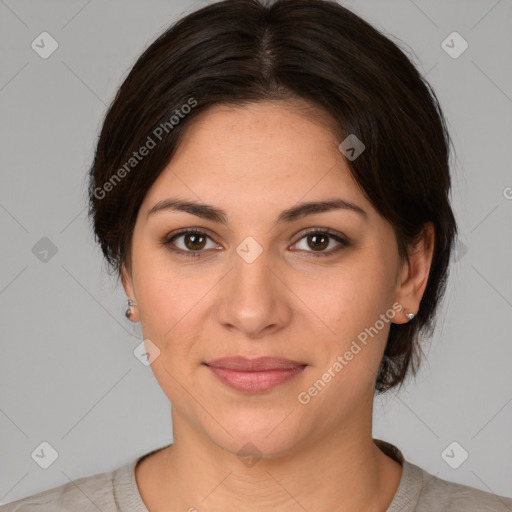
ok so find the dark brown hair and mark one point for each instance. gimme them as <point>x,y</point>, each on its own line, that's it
<point>235,52</point>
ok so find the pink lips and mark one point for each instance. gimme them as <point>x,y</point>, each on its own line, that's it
<point>254,375</point>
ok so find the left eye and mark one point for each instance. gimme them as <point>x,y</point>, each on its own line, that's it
<point>319,241</point>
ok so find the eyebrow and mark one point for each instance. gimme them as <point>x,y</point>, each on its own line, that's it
<point>209,212</point>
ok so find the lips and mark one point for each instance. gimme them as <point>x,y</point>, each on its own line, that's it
<point>254,365</point>
<point>254,375</point>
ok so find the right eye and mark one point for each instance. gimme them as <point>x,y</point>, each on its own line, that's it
<point>192,244</point>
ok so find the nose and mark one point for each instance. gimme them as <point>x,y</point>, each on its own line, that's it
<point>253,299</point>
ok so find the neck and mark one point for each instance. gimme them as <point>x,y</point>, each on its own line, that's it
<point>343,471</point>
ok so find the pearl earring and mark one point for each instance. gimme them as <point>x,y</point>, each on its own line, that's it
<point>129,311</point>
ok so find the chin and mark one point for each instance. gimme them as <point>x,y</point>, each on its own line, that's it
<point>256,435</point>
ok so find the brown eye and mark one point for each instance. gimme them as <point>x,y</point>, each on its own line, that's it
<point>317,241</point>
<point>194,241</point>
<point>189,242</point>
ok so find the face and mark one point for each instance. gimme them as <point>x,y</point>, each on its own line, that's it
<point>318,287</point>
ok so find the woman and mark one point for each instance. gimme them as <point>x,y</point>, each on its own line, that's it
<point>271,185</point>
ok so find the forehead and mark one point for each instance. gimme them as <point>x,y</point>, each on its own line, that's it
<point>265,129</point>
<point>259,154</point>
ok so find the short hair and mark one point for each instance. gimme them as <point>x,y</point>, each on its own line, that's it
<point>237,52</point>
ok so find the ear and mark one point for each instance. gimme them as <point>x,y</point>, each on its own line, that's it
<point>127,282</point>
<point>414,275</point>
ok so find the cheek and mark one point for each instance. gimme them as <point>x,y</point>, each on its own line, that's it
<point>172,316</point>
<point>350,301</point>
<point>350,296</point>
<point>166,304</point>
<point>172,305</point>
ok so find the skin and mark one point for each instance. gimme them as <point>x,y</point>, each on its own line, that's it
<point>253,162</point>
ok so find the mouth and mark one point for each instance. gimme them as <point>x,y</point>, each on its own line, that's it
<point>254,375</point>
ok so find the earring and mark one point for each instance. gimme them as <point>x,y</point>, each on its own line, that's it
<point>410,316</point>
<point>128,312</point>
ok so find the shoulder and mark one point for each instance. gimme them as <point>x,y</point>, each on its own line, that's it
<point>89,493</point>
<point>439,494</point>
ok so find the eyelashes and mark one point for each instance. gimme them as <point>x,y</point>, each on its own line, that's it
<point>192,234</point>
<point>194,237</point>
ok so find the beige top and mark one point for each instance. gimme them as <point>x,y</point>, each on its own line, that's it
<point>116,491</point>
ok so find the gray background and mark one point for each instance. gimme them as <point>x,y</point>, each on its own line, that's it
<point>69,376</point>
